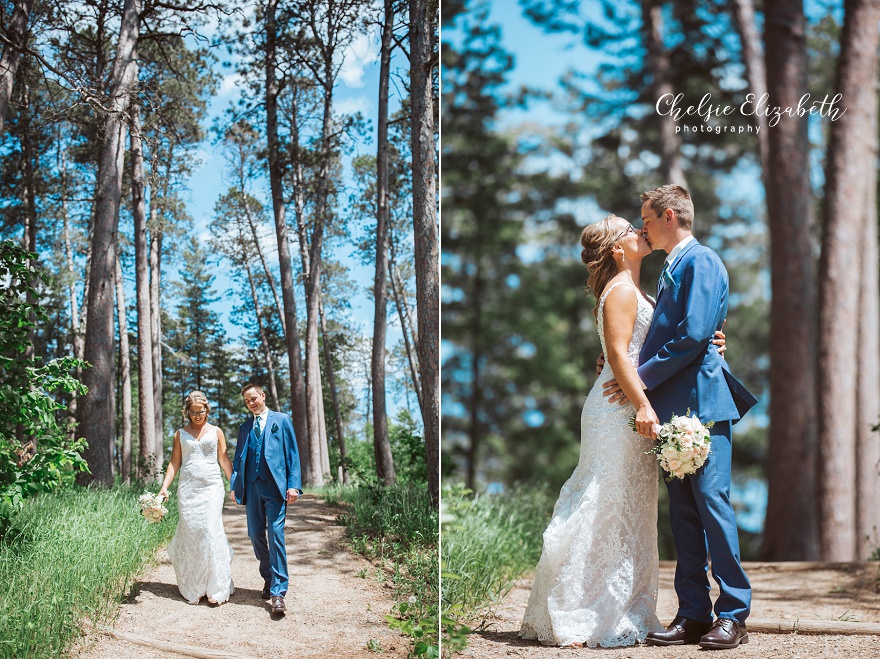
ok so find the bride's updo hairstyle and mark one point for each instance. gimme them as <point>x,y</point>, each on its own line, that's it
<point>195,397</point>
<point>597,240</point>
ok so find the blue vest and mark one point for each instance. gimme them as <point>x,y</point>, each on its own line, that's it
<point>254,468</point>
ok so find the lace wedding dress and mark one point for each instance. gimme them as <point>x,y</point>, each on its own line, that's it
<point>596,582</point>
<point>199,550</point>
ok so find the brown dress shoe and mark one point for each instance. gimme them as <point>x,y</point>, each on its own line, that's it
<point>681,631</point>
<point>278,605</point>
<point>725,634</point>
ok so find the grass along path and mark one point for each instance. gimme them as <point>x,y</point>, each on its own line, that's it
<point>331,611</point>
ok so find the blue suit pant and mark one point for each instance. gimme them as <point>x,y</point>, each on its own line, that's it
<point>703,524</point>
<point>266,512</point>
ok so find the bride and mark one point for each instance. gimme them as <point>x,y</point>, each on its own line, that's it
<point>596,581</point>
<point>199,551</point>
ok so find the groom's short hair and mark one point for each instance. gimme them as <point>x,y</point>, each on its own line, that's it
<point>674,197</point>
<point>251,385</point>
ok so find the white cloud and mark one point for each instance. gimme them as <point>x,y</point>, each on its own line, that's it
<point>353,104</point>
<point>360,54</point>
<point>229,85</point>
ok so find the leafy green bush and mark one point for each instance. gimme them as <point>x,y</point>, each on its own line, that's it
<point>68,557</point>
<point>48,457</point>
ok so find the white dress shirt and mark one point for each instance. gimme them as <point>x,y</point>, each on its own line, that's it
<point>673,255</point>
<point>263,416</point>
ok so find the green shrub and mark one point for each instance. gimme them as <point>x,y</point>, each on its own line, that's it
<point>48,457</point>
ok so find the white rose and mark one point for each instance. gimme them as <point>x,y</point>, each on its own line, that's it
<point>674,464</point>
<point>668,452</point>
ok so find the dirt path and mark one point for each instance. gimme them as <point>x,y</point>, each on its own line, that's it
<point>331,611</point>
<point>849,592</point>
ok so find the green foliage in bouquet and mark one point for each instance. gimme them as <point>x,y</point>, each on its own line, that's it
<point>48,457</point>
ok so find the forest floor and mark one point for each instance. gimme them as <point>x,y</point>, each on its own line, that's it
<point>335,607</point>
<point>833,593</point>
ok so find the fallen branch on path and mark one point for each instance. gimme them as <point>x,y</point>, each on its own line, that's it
<point>188,650</point>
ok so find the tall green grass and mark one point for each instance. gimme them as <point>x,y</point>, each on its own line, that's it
<point>489,541</point>
<point>397,527</point>
<point>68,557</point>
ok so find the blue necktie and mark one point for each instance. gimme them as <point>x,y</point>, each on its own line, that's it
<point>663,272</point>
<point>257,427</point>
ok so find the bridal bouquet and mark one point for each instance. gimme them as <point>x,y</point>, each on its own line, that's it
<point>151,507</point>
<point>683,446</point>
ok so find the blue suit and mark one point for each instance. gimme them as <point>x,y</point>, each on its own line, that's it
<point>264,468</point>
<point>682,369</point>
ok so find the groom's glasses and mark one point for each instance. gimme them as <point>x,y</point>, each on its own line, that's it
<point>630,229</point>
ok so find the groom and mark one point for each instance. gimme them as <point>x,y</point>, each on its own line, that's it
<point>680,369</point>
<point>266,477</point>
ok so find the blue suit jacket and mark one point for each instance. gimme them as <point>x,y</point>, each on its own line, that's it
<point>279,453</point>
<point>678,363</point>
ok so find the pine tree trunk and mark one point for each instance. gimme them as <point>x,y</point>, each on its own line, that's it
<point>253,226</point>
<point>313,283</point>
<point>71,288</point>
<point>658,65</point>
<point>337,416</point>
<point>30,203</point>
<point>756,74</point>
<point>264,338</point>
<point>848,171</point>
<point>406,329</point>
<point>381,445</point>
<point>791,524</point>
<point>16,31</point>
<point>310,464</point>
<point>322,420</point>
<point>868,386</point>
<point>156,236</point>
<point>98,421</point>
<point>146,467</point>
<point>422,62</point>
<point>125,368</point>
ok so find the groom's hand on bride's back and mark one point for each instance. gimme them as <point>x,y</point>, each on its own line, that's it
<point>612,391</point>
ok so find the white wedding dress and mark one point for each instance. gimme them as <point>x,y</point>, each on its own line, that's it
<point>596,582</point>
<point>199,550</point>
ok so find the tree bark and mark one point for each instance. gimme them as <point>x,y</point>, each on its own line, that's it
<point>337,416</point>
<point>253,225</point>
<point>125,368</point>
<point>29,192</point>
<point>18,33</point>
<point>264,338</point>
<point>71,287</point>
<point>848,172</point>
<point>791,523</point>
<point>310,463</point>
<point>146,467</point>
<point>658,65</point>
<point>98,422</point>
<point>422,62</point>
<point>868,386</point>
<point>381,445</point>
<point>156,235</point>
<point>756,74</point>
<point>407,330</point>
